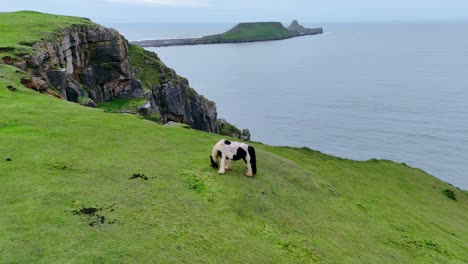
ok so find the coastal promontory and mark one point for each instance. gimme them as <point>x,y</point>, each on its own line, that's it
<point>242,32</point>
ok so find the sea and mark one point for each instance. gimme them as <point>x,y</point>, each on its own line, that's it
<point>396,91</point>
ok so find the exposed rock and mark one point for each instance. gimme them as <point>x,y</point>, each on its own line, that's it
<point>57,79</point>
<point>171,123</point>
<point>175,101</point>
<point>20,65</point>
<point>245,135</point>
<point>36,84</point>
<point>296,27</point>
<point>171,98</point>
<point>90,62</point>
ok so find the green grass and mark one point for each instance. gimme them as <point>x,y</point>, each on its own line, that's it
<point>58,158</point>
<point>251,32</point>
<point>146,64</point>
<point>150,70</point>
<point>302,207</point>
<point>227,129</point>
<point>118,105</point>
<point>20,30</point>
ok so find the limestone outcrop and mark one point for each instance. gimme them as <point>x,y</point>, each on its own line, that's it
<point>86,65</point>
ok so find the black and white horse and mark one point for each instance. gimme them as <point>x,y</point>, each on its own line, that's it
<point>228,151</point>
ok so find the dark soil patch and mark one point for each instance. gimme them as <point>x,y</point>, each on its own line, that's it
<point>28,83</point>
<point>8,60</point>
<point>87,211</point>
<point>137,175</point>
<point>9,159</point>
<point>53,93</point>
<point>94,215</point>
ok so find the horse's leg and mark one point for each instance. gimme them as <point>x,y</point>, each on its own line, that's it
<point>223,164</point>
<point>228,164</point>
<point>249,172</point>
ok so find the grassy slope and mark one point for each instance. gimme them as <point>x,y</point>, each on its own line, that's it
<point>65,157</point>
<point>149,68</point>
<point>145,63</point>
<point>27,27</point>
<point>118,105</point>
<point>251,32</point>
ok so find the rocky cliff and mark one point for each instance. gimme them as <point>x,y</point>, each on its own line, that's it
<point>296,27</point>
<point>91,64</point>
<point>86,64</point>
<point>170,95</point>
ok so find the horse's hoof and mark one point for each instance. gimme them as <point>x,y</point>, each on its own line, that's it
<point>221,172</point>
<point>249,174</point>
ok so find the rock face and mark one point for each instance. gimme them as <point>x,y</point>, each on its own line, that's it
<point>296,27</point>
<point>86,64</point>
<point>174,102</point>
<point>171,96</point>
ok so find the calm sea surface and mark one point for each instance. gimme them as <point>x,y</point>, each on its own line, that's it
<point>360,91</point>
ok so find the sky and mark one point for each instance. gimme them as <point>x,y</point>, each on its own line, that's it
<point>233,11</point>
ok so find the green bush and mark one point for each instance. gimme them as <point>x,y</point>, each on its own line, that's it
<point>450,194</point>
<point>152,117</point>
<point>227,129</point>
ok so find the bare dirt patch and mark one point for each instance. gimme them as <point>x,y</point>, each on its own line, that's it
<point>94,215</point>
<point>8,60</point>
<point>138,175</point>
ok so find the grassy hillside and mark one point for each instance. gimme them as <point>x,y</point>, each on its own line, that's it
<point>303,206</point>
<point>251,32</point>
<point>83,186</point>
<point>20,30</point>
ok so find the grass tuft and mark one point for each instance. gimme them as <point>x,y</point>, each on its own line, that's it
<point>449,194</point>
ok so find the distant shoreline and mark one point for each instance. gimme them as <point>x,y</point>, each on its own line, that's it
<point>241,33</point>
<point>155,43</point>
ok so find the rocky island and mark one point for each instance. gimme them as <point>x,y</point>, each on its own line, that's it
<point>242,32</point>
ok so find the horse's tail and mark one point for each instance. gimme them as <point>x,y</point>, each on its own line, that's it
<point>253,159</point>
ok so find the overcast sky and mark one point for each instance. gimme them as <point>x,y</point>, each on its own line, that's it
<point>232,11</point>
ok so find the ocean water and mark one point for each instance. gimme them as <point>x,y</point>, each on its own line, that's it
<point>390,91</point>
